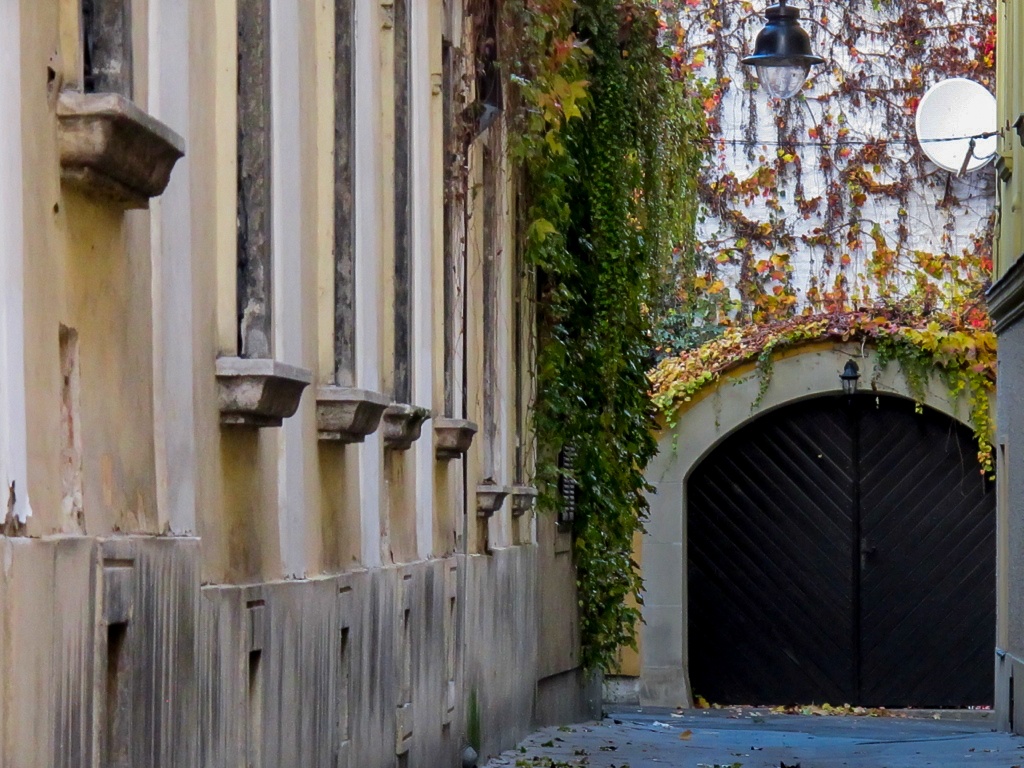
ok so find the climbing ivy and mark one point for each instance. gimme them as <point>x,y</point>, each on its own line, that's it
<point>617,115</point>
<point>821,217</point>
<point>608,132</point>
<point>963,355</point>
<point>826,202</point>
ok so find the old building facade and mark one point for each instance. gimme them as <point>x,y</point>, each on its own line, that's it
<point>264,378</point>
<point>1006,304</point>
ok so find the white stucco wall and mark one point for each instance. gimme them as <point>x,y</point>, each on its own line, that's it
<point>823,129</point>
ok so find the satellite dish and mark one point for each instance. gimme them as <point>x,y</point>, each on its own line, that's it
<point>950,113</point>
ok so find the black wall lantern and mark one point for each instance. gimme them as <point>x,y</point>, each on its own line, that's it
<point>782,52</point>
<point>849,377</point>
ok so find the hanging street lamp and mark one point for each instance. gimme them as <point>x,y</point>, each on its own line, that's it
<point>782,52</point>
<point>850,376</point>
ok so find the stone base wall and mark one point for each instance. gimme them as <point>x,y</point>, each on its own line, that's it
<point>1009,656</point>
<point>114,655</point>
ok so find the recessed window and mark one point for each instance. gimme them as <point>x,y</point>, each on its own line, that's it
<point>403,208</point>
<point>255,263</point>
<point>107,47</point>
<point>488,103</point>
<point>344,196</point>
<point>454,255</point>
<point>491,306</point>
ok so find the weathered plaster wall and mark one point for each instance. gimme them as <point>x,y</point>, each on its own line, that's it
<point>563,690</point>
<point>61,689</point>
<point>1009,659</point>
<point>715,413</point>
<point>14,448</point>
<point>350,670</point>
<point>91,272</point>
<point>173,251</point>
<point>47,655</point>
<point>193,594</point>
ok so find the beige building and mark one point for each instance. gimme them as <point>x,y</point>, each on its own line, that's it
<point>264,377</point>
<point>1006,304</point>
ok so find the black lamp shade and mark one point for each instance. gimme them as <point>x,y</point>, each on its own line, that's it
<point>782,44</point>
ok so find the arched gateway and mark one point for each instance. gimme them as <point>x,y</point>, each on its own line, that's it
<point>821,548</point>
<point>842,550</point>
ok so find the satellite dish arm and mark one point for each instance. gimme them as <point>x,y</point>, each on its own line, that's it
<point>970,152</point>
<point>967,157</point>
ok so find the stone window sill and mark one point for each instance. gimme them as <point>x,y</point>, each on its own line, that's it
<point>524,498</point>
<point>111,149</point>
<point>258,392</point>
<point>490,498</point>
<point>348,415</point>
<point>403,425</point>
<point>452,437</point>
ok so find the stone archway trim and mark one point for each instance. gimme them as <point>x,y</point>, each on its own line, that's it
<point>806,371</point>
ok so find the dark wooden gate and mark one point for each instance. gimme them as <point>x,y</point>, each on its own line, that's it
<point>843,551</point>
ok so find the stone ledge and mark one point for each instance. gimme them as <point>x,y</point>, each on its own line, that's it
<point>348,415</point>
<point>524,498</point>
<point>403,425</point>
<point>452,437</point>
<point>258,392</point>
<point>112,149</point>
<point>489,498</point>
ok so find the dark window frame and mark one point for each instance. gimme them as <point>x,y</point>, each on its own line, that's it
<point>106,38</point>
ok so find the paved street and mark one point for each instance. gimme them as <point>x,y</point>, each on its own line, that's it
<point>749,738</point>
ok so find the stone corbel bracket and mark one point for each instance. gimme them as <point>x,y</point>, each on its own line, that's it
<point>1004,166</point>
<point>452,437</point>
<point>348,415</point>
<point>403,425</point>
<point>524,498</point>
<point>112,149</point>
<point>257,392</point>
<point>489,498</point>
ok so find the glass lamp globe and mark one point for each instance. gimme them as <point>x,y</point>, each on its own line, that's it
<point>783,82</point>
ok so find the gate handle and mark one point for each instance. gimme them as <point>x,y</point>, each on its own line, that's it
<point>865,550</point>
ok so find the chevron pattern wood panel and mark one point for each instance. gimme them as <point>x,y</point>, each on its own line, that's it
<point>842,551</point>
<point>770,587</point>
<point>928,568</point>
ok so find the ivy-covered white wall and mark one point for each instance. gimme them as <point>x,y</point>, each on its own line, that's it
<point>826,202</point>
